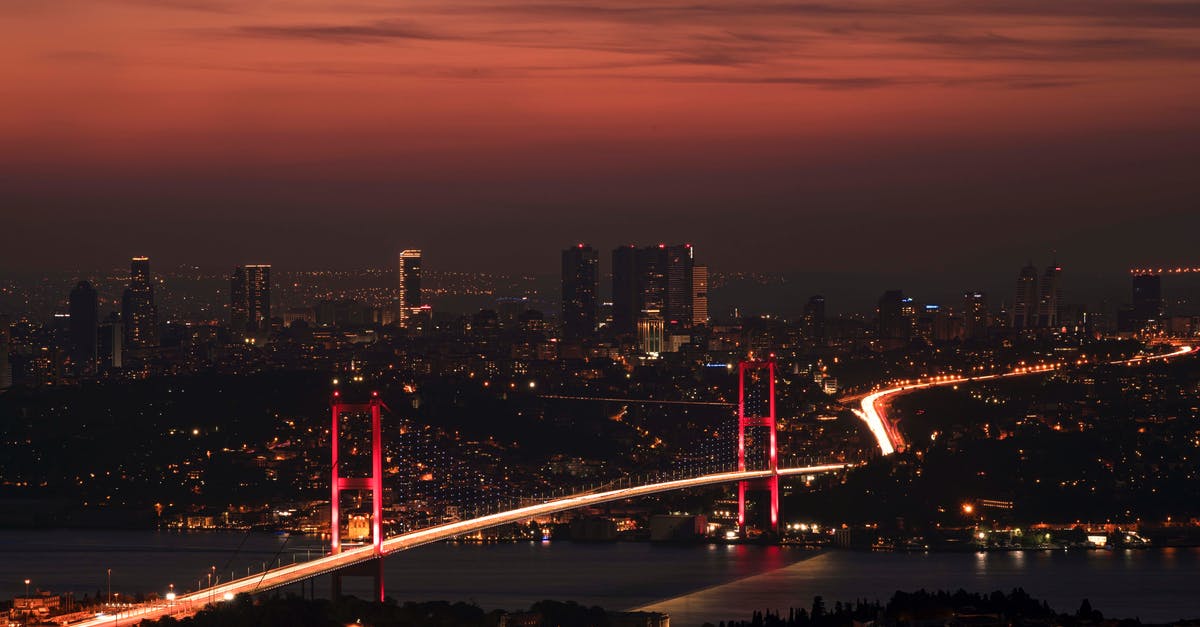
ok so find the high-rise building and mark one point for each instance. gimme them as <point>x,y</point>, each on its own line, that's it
<point>975,315</point>
<point>700,296</point>
<point>1025,306</point>
<point>1050,297</point>
<point>111,342</point>
<point>896,316</point>
<point>84,307</point>
<point>652,278</point>
<point>1147,297</point>
<point>408,296</point>
<point>5,341</point>
<point>626,298</point>
<point>658,278</point>
<point>580,287</point>
<point>138,310</point>
<point>680,291</point>
<point>250,299</point>
<point>814,318</point>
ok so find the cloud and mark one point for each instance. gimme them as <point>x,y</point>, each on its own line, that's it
<point>373,32</point>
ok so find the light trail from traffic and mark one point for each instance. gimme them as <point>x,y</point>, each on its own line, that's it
<point>286,575</point>
<point>884,430</point>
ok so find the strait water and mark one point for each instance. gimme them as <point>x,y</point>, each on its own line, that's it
<point>692,583</point>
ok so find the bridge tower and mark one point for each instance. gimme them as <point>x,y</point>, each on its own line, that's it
<point>374,483</point>
<point>753,416</point>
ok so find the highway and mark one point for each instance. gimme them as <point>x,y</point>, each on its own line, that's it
<point>889,439</point>
<point>278,577</point>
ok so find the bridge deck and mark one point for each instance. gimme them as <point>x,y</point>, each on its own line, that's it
<point>294,573</point>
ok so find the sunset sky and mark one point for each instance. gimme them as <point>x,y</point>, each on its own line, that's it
<point>921,134</point>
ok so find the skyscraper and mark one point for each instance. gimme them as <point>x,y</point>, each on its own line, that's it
<point>814,318</point>
<point>1050,297</point>
<point>975,315</point>
<point>896,315</point>
<point>700,296</point>
<point>1147,297</point>
<point>84,307</point>
<point>1025,306</point>
<point>138,310</point>
<point>680,268</point>
<point>408,296</point>
<point>626,298</point>
<point>580,286</point>
<point>250,299</point>
<point>652,262</point>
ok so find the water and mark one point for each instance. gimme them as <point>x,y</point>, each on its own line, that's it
<point>692,583</point>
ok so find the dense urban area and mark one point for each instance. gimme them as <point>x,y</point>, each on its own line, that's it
<point>195,401</point>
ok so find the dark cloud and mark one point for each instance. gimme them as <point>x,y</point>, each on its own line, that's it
<point>374,32</point>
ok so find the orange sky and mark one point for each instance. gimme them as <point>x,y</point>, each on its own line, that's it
<point>427,91</point>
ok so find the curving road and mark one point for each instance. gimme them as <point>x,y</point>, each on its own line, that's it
<point>278,577</point>
<point>884,430</point>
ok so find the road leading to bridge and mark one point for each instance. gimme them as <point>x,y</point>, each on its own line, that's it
<point>873,405</point>
<point>279,577</point>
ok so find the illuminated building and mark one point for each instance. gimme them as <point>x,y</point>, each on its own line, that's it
<point>250,300</point>
<point>975,315</point>
<point>652,279</point>
<point>1050,297</point>
<point>408,296</point>
<point>1025,307</point>
<point>658,278</point>
<point>814,318</point>
<point>650,332</point>
<point>580,285</point>
<point>700,296</point>
<point>680,290</point>
<point>138,310</point>
<point>84,307</point>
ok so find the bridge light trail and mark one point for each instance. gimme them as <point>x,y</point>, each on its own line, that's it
<point>279,577</point>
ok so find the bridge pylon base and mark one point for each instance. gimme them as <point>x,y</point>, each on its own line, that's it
<point>769,485</point>
<point>373,569</point>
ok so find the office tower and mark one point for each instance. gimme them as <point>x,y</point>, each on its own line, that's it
<point>138,310</point>
<point>580,286</point>
<point>652,263</point>
<point>1147,297</point>
<point>626,299</point>
<point>84,307</point>
<point>1050,297</point>
<point>1025,306</point>
<point>896,315</point>
<point>408,297</point>
<point>111,342</point>
<point>814,318</point>
<point>680,268</point>
<point>250,299</point>
<point>975,315</point>
<point>5,341</point>
<point>700,296</point>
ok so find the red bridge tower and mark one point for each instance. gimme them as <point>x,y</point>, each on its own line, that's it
<point>755,418</point>
<point>372,483</point>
